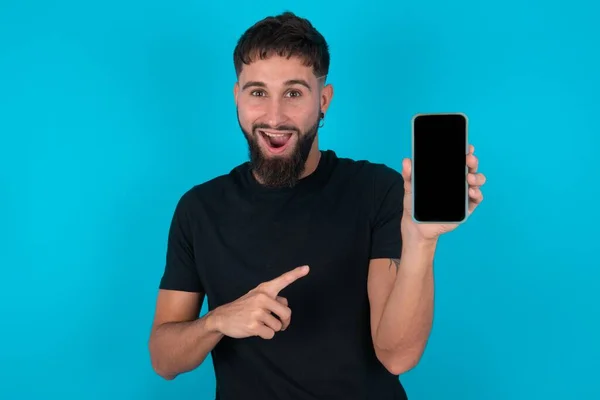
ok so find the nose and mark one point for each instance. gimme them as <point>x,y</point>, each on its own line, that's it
<point>275,114</point>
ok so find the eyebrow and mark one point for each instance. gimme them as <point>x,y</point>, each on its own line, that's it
<point>289,82</point>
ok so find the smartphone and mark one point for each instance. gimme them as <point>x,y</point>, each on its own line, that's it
<point>439,168</point>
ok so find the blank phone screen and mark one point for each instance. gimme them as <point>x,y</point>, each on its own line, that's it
<point>439,168</point>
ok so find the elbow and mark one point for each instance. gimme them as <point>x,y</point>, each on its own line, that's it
<point>398,362</point>
<point>158,364</point>
<point>160,371</point>
<point>400,366</point>
<point>167,377</point>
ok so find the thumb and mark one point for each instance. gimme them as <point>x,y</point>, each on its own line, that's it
<point>407,175</point>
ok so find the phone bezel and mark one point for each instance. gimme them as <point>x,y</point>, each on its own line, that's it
<point>414,118</point>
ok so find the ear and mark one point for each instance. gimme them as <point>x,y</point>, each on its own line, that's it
<point>326,97</point>
<point>236,92</point>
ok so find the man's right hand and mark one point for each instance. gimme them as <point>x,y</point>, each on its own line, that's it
<point>254,313</point>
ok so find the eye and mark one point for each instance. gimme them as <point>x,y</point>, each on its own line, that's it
<point>257,93</point>
<point>293,93</point>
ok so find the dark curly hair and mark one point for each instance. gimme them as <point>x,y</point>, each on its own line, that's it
<point>284,35</point>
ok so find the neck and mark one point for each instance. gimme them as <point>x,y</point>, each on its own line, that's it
<point>312,161</point>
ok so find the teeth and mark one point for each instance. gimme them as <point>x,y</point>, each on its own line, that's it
<point>275,134</point>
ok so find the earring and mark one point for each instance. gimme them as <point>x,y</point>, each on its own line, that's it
<point>322,120</point>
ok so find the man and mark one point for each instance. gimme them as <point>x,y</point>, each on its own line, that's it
<point>319,284</point>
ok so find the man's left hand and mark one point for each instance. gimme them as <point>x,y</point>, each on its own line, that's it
<point>427,232</point>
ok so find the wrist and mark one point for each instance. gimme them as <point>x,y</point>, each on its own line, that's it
<point>414,235</point>
<point>419,251</point>
<point>420,245</point>
<point>213,321</point>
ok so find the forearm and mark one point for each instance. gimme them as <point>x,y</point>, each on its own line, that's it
<point>178,347</point>
<point>407,317</point>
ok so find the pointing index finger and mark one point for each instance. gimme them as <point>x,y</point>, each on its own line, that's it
<point>276,285</point>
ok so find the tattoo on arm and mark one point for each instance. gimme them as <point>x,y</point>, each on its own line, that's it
<point>395,262</point>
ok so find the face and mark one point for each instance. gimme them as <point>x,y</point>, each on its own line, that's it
<point>279,104</point>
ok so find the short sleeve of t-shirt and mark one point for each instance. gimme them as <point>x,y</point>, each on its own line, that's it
<point>180,271</point>
<point>388,201</point>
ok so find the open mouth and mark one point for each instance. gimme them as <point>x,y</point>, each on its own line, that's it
<point>276,142</point>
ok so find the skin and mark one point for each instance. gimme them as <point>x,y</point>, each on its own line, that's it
<point>180,341</point>
<point>280,91</point>
<point>401,290</point>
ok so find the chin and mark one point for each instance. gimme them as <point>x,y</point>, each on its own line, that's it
<point>277,167</point>
<point>280,155</point>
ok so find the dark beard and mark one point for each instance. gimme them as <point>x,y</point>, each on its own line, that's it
<point>280,172</point>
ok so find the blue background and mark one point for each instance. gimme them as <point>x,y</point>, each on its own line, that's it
<point>110,110</point>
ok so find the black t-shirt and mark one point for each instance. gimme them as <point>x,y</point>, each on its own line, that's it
<point>230,234</point>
